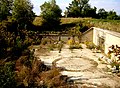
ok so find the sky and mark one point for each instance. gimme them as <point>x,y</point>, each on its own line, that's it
<point>106,4</point>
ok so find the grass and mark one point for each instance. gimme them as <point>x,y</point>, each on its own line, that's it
<point>113,25</point>
<point>72,20</point>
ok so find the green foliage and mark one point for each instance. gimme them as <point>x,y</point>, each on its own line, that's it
<point>50,14</point>
<point>52,46</point>
<point>84,26</point>
<point>5,9</point>
<point>12,44</point>
<point>22,13</point>
<point>90,45</point>
<point>75,46</point>
<point>113,25</point>
<point>89,12</point>
<point>45,41</point>
<point>80,8</point>
<point>75,31</point>
<point>102,13</point>
<point>115,63</point>
<point>111,15</point>
<point>7,76</point>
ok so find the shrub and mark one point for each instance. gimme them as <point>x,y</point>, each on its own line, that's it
<point>75,46</point>
<point>70,42</point>
<point>7,76</point>
<point>44,41</point>
<point>52,46</point>
<point>28,69</point>
<point>90,45</point>
<point>114,63</point>
<point>53,79</point>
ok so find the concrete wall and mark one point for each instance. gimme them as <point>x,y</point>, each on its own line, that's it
<point>110,38</point>
<point>87,36</point>
<point>56,37</point>
<point>97,34</point>
<point>63,37</point>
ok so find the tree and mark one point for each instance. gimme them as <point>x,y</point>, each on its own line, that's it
<point>5,9</point>
<point>89,12</point>
<point>22,13</point>
<point>112,15</point>
<point>73,9</point>
<point>81,8</point>
<point>50,12</point>
<point>102,13</point>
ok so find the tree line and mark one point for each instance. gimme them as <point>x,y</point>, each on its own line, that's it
<point>81,8</point>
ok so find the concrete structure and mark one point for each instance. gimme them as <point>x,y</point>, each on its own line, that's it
<point>87,36</point>
<point>63,37</point>
<point>102,38</point>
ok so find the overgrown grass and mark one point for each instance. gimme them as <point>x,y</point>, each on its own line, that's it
<point>72,20</point>
<point>113,25</point>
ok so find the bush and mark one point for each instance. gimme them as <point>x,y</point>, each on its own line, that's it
<point>53,79</point>
<point>44,41</point>
<point>52,46</point>
<point>75,46</point>
<point>70,42</point>
<point>90,45</point>
<point>7,76</point>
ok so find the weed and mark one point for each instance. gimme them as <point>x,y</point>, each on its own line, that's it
<point>75,46</point>
<point>90,45</point>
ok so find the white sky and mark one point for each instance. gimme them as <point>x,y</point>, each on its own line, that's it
<point>106,4</point>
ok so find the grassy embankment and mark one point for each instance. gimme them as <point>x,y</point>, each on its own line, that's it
<point>113,25</point>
